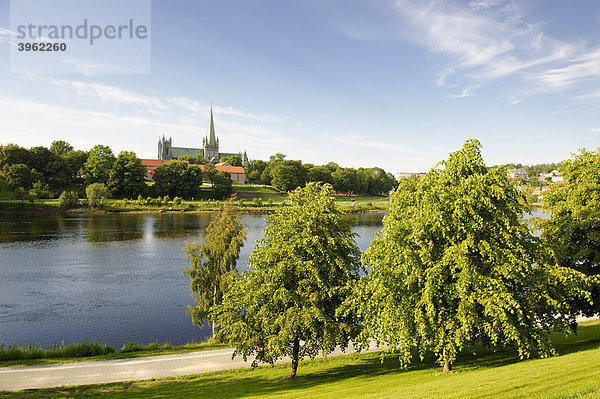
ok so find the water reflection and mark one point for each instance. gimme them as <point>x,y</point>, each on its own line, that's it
<point>114,278</point>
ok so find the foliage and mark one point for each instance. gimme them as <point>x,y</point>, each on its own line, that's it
<point>210,172</point>
<point>95,194</point>
<point>212,262</point>
<point>299,275</point>
<point>83,349</point>
<point>288,175</point>
<point>177,178</point>
<point>55,168</point>
<point>222,184</point>
<point>126,177</point>
<point>234,160</point>
<point>573,229</point>
<point>254,168</point>
<point>13,154</point>
<point>456,264</point>
<point>76,160</point>
<point>68,200</point>
<point>99,163</point>
<point>20,176</point>
<point>60,147</point>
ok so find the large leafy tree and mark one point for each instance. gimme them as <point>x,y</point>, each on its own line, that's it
<point>222,184</point>
<point>213,261</point>
<point>288,175</point>
<point>13,154</point>
<point>300,273</point>
<point>455,264</point>
<point>126,177</point>
<point>99,163</point>
<point>177,178</point>
<point>60,147</point>
<point>573,229</point>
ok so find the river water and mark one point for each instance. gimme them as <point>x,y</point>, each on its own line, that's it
<point>112,278</point>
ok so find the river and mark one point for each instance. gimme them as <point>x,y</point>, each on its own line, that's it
<point>113,278</point>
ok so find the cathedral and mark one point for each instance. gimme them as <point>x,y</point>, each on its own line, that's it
<point>209,150</point>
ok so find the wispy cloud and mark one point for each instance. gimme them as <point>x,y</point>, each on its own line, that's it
<point>478,42</point>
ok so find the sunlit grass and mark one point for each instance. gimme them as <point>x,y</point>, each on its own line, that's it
<point>573,374</point>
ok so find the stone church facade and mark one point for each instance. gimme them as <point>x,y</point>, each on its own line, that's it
<point>209,151</point>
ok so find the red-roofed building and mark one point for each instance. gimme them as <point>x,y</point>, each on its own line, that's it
<point>237,173</point>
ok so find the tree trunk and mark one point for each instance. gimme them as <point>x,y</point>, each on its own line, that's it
<point>295,355</point>
<point>447,364</point>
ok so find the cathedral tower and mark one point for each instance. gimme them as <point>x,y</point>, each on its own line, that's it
<point>210,143</point>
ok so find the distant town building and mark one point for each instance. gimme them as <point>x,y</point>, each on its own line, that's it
<point>518,173</point>
<point>556,176</point>
<point>209,150</point>
<point>237,173</point>
<point>405,175</point>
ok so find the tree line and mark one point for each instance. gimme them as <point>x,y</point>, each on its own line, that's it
<point>286,175</point>
<point>41,172</point>
<point>454,265</point>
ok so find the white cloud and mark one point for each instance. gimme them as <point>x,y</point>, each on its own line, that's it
<point>482,41</point>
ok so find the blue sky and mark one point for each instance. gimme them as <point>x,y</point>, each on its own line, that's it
<point>395,84</point>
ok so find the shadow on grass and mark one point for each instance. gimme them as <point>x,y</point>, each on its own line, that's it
<point>270,381</point>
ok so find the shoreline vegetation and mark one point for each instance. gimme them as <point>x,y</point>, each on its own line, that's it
<point>35,355</point>
<point>255,205</point>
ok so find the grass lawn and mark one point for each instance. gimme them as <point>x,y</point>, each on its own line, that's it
<point>573,374</point>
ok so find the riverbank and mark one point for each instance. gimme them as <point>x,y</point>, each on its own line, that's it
<point>347,205</point>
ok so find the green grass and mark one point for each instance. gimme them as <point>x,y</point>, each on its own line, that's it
<point>254,188</point>
<point>573,374</point>
<point>84,352</point>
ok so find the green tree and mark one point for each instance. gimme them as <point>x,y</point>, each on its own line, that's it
<point>254,169</point>
<point>288,175</point>
<point>345,180</point>
<point>234,160</point>
<point>55,168</point>
<point>573,229</point>
<point>222,184</point>
<point>456,264</point>
<point>68,200</point>
<point>127,175</point>
<point>19,175</point>
<point>13,154</point>
<point>300,273</point>
<point>39,190</point>
<point>212,262</point>
<point>95,193</point>
<point>198,160</point>
<point>175,178</point>
<point>76,161</point>
<point>99,163</point>
<point>60,147</point>
<point>209,173</point>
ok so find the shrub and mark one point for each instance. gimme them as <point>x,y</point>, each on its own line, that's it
<point>166,200</point>
<point>95,194</point>
<point>131,347</point>
<point>68,200</point>
<point>177,201</point>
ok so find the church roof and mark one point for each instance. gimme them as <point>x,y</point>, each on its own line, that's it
<point>211,138</point>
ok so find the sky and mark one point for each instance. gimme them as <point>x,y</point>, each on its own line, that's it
<point>395,84</point>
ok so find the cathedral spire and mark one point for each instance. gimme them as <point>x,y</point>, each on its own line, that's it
<point>211,138</point>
